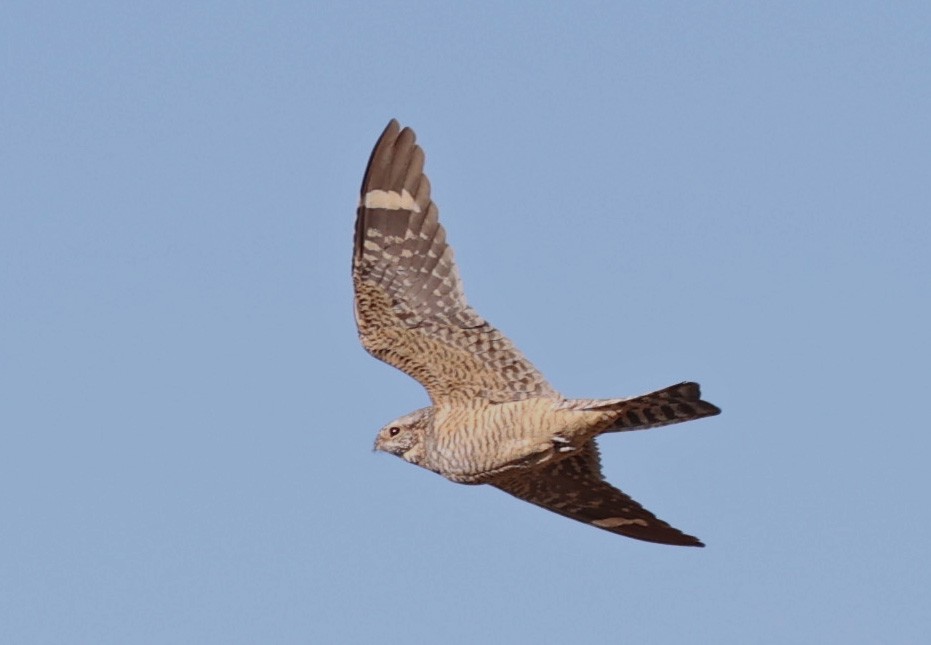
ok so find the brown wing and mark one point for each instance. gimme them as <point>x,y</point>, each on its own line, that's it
<point>410,308</point>
<point>574,487</point>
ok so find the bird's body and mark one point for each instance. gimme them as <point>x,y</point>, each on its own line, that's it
<point>482,443</point>
<point>494,419</point>
<point>479,442</point>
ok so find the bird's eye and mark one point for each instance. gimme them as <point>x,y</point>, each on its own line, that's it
<point>394,430</point>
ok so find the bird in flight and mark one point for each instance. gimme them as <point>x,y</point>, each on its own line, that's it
<point>494,419</point>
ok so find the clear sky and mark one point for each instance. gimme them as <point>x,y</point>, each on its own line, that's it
<point>638,194</point>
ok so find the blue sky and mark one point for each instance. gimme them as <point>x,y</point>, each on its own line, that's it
<point>638,194</point>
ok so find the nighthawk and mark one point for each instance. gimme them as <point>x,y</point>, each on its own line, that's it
<point>494,419</point>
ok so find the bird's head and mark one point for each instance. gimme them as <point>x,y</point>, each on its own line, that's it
<point>403,437</point>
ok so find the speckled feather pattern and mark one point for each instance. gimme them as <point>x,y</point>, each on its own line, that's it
<point>494,417</point>
<point>410,307</point>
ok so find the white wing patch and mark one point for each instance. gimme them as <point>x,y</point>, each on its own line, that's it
<point>614,522</point>
<point>390,200</point>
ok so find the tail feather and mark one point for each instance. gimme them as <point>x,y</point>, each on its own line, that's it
<point>670,405</point>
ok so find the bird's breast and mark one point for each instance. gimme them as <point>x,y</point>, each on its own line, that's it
<point>472,444</point>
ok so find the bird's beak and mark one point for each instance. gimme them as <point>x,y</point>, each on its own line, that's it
<point>377,446</point>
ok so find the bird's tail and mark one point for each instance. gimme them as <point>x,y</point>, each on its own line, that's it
<point>673,404</point>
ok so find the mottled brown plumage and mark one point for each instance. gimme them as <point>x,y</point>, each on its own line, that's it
<point>494,419</point>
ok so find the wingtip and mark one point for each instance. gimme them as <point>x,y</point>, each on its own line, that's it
<point>387,138</point>
<point>682,539</point>
<point>395,132</point>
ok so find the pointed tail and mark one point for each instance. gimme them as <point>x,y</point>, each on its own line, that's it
<point>673,404</point>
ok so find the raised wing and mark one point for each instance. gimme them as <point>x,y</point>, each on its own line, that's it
<point>410,308</point>
<point>574,487</point>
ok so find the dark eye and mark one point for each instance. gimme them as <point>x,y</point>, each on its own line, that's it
<point>394,430</point>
